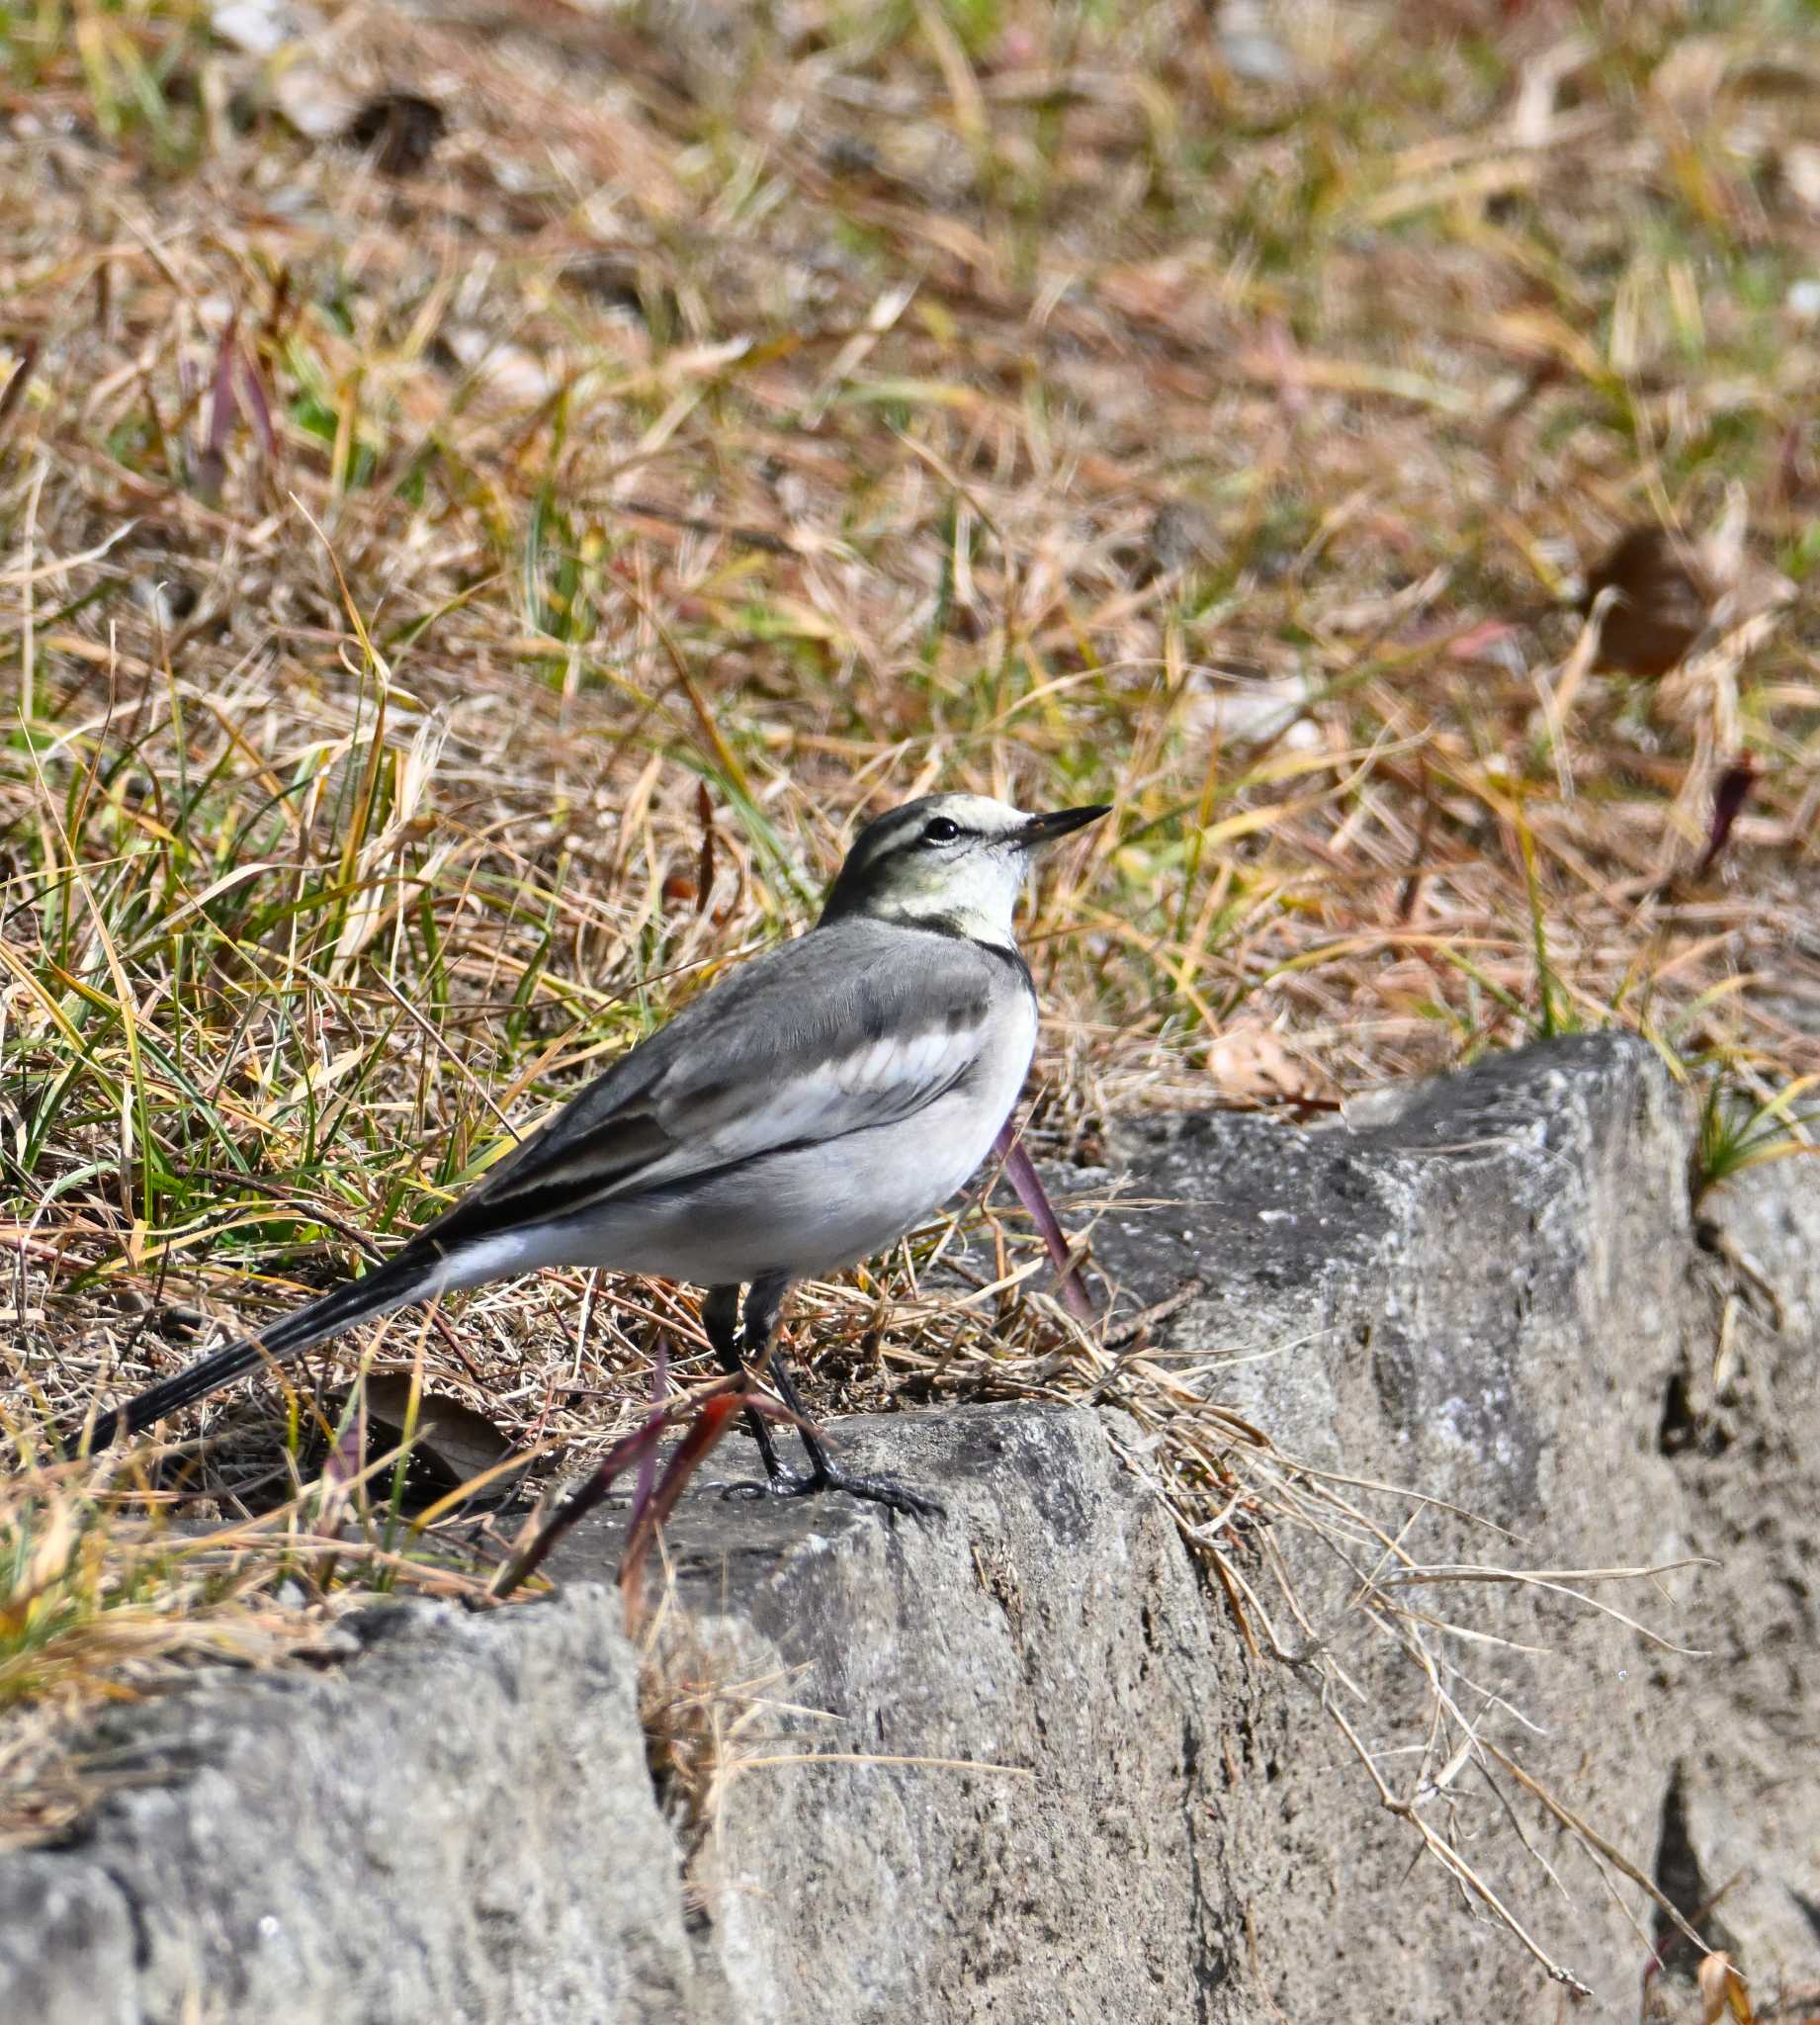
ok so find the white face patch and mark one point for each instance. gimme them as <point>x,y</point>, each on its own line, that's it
<point>970,882</point>
<point>949,862</point>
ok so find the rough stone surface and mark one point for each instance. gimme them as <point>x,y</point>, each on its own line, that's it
<point>1741,1421</point>
<point>416,1835</point>
<point>1475,1289</point>
<point>1051,1785</point>
<point>1049,1633</point>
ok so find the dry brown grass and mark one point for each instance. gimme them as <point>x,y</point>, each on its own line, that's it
<point>451,615</point>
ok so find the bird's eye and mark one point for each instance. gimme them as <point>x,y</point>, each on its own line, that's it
<point>943,830</point>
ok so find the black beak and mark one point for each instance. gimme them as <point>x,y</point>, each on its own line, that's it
<point>1042,829</point>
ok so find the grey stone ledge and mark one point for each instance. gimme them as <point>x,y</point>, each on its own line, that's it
<point>1051,1784</point>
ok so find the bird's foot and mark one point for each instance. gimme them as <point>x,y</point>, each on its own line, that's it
<point>876,1490</point>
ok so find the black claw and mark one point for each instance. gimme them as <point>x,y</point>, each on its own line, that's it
<point>738,1347</point>
<point>883,1490</point>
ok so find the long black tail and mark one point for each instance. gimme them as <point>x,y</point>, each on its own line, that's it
<point>400,1280</point>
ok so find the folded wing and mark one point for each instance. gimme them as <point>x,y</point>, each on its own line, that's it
<point>831,1035</point>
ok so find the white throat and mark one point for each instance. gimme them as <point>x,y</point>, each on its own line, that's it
<point>977,898</point>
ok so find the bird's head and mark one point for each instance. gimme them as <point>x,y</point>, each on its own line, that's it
<point>954,862</point>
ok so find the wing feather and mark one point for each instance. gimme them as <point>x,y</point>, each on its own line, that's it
<point>841,1030</point>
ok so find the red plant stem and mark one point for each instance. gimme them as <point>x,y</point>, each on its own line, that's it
<point>710,1425</point>
<point>1022,1177</point>
<point>712,1411</point>
<point>580,1502</point>
<point>648,1467</point>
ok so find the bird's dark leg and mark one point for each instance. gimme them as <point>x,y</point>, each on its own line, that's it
<point>764,1300</point>
<point>721,1321</point>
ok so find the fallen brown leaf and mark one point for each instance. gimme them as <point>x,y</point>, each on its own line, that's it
<point>1249,1061</point>
<point>451,1445</point>
<point>1660,600</point>
<point>403,129</point>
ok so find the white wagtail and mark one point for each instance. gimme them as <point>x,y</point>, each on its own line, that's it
<point>792,1120</point>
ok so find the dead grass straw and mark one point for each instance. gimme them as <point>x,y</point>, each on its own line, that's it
<point>460,592</point>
